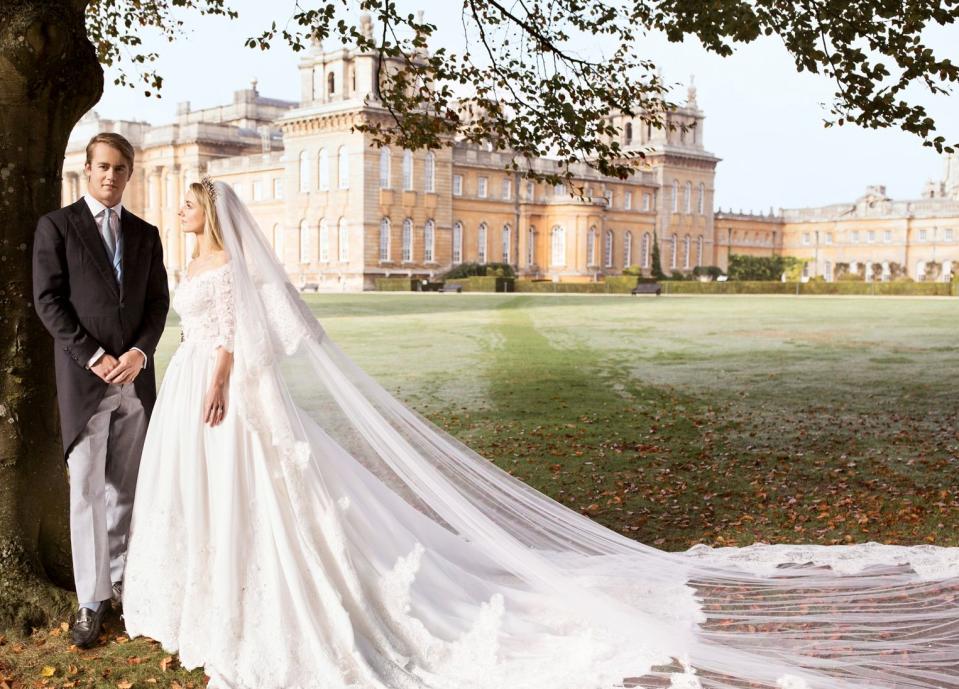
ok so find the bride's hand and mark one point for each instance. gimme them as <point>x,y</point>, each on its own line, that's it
<point>214,408</point>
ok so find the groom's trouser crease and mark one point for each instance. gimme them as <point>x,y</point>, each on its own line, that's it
<point>103,473</point>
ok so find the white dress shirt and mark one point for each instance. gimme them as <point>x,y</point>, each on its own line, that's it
<point>96,208</point>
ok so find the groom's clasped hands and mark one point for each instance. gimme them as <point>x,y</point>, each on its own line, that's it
<point>120,371</point>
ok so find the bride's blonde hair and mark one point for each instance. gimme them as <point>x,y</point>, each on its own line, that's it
<point>211,224</point>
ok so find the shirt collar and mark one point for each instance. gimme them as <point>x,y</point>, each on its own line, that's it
<point>96,207</point>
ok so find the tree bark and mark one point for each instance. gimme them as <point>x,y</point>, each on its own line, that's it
<point>49,77</point>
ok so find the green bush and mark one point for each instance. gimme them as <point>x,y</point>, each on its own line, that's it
<point>484,283</point>
<point>847,287</point>
<point>763,268</point>
<point>403,284</point>
<point>473,269</point>
<point>708,271</point>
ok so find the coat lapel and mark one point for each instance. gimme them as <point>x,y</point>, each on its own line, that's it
<point>86,228</point>
<point>130,229</point>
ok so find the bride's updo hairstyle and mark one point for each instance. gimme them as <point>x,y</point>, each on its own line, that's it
<point>204,194</point>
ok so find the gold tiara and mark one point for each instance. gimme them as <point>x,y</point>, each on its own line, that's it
<point>207,183</point>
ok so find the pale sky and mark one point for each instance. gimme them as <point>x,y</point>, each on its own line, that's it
<point>762,118</point>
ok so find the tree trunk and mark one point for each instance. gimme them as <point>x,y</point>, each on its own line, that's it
<point>49,77</point>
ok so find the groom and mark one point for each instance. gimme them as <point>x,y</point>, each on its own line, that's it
<point>100,288</point>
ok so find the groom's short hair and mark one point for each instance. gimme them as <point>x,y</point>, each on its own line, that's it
<point>114,140</point>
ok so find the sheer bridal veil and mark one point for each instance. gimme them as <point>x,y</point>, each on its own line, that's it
<point>463,544</point>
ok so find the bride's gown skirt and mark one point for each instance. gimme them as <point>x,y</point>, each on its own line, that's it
<point>311,570</point>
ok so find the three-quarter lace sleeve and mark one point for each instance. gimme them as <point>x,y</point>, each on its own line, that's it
<point>224,309</point>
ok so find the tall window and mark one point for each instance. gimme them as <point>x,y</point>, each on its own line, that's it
<point>385,239</point>
<point>530,246</point>
<point>644,250</point>
<point>701,201</point>
<point>481,243</point>
<point>608,248</point>
<point>481,184</point>
<point>384,168</point>
<point>688,197</point>
<point>343,167</point>
<point>278,188</point>
<point>343,240</point>
<point>558,247</point>
<point>530,191</point>
<point>457,185</point>
<point>628,133</point>
<point>699,250</point>
<point>687,251</point>
<point>458,243</point>
<point>330,84</point>
<point>324,170</point>
<point>324,241</point>
<point>591,246</point>
<point>675,202</point>
<point>428,232</point>
<point>673,250</point>
<point>647,201</point>
<point>507,189</point>
<point>278,242</point>
<point>628,201</point>
<point>408,170</point>
<point>505,242</point>
<point>429,172</point>
<point>628,249</point>
<point>306,246</point>
<point>407,240</point>
<point>257,190</point>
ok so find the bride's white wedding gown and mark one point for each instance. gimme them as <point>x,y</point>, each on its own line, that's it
<point>325,536</point>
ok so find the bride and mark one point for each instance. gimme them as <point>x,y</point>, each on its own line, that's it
<point>296,526</point>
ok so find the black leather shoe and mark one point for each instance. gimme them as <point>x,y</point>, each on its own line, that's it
<point>86,628</point>
<point>116,599</point>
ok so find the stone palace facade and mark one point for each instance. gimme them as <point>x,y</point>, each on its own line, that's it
<point>341,212</point>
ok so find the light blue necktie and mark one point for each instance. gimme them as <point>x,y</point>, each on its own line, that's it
<point>114,243</point>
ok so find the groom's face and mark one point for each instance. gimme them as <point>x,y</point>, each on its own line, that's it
<point>107,174</point>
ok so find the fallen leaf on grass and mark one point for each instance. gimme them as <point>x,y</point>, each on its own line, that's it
<point>64,626</point>
<point>48,671</point>
<point>165,663</point>
<point>124,685</point>
<point>72,670</point>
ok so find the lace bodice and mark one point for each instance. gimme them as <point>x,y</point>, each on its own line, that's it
<point>206,307</point>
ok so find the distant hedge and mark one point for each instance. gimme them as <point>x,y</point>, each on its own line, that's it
<point>404,284</point>
<point>924,289</point>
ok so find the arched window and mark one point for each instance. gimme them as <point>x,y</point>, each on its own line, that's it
<point>408,170</point>
<point>481,243</point>
<point>688,198</point>
<point>627,249</point>
<point>385,168</point>
<point>591,246</point>
<point>687,252</point>
<point>343,240</point>
<point>304,171</point>
<point>343,166</point>
<point>407,240</point>
<point>306,246</point>
<point>699,250</point>
<point>330,84</point>
<point>701,201</point>
<point>505,242</point>
<point>324,170</point>
<point>278,242</point>
<point>324,241</point>
<point>429,172</point>
<point>675,202</point>
<point>428,232</point>
<point>629,132</point>
<point>458,243</point>
<point>558,247</point>
<point>385,239</point>
<point>644,250</point>
<point>608,248</point>
<point>673,250</point>
<point>531,246</point>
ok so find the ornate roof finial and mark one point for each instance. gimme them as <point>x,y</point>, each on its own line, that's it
<point>366,25</point>
<point>691,90</point>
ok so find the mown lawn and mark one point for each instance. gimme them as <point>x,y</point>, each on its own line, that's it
<point>679,420</point>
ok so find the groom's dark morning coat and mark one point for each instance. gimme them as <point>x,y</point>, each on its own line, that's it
<point>77,297</point>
